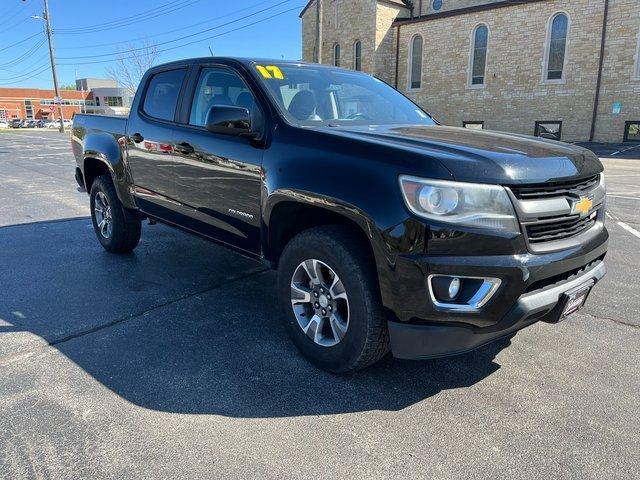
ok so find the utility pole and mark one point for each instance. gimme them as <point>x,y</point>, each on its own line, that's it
<point>47,19</point>
<point>83,105</point>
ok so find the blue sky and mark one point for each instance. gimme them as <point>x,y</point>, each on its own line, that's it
<point>102,28</point>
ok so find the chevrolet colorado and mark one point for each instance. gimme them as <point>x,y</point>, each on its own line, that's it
<point>388,230</point>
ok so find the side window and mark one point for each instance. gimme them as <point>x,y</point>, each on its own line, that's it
<point>218,86</point>
<point>163,91</point>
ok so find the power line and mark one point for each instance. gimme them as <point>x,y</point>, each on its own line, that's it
<point>30,76</point>
<point>124,19</point>
<point>8,20</point>
<point>166,31</point>
<point>157,12</point>
<point>179,38</point>
<point>24,55</point>
<point>21,41</point>
<point>26,74</point>
<point>196,41</point>
<point>39,59</point>
<point>16,24</point>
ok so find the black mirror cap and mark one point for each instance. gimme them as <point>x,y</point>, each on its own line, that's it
<point>229,120</point>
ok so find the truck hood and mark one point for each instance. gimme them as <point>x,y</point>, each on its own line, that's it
<point>484,156</point>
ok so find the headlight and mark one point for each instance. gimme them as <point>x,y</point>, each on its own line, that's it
<point>467,204</point>
<point>603,182</point>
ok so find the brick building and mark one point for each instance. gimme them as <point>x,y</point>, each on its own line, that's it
<point>92,95</point>
<point>34,103</point>
<point>567,69</point>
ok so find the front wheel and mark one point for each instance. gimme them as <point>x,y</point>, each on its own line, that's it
<point>118,231</point>
<point>328,288</point>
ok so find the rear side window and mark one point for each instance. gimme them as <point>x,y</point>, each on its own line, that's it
<point>162,94</point>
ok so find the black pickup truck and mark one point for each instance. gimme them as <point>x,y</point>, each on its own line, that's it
<point>388,230</point>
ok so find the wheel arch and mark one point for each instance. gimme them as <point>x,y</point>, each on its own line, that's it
<point>104,154</point>
<point>288,214</point>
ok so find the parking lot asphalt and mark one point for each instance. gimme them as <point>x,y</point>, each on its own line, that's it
<point>171,362</point>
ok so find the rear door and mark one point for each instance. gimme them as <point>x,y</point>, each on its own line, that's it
<point>150,150</point>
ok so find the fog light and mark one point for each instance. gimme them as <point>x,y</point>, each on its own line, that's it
<point>446,289</point>
<point>454,288</point>
<point>461,294</point>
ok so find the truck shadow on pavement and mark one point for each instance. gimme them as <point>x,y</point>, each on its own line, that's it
<point>184,326</point>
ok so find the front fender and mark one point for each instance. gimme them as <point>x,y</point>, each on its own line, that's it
<point>355,180</point>
<point>109,149</point>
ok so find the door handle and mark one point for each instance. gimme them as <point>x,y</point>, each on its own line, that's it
<point>137,138</point>
<point>184,148</point>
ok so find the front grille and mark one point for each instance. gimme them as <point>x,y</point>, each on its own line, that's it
<point>542,225</point>
<point>555,189</point>
<point>559,228</point>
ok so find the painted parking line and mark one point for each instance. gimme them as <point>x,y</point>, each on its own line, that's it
<point>28,137</point>
<point>626,197</point>
<point>625,150</point>
<point>629,229</point>
<point>626,227</point>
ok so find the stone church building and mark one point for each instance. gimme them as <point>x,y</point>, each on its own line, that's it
<point>566,69</point>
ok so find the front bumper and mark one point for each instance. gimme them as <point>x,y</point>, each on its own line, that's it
<point>424,341</point>
<point>532,287</point>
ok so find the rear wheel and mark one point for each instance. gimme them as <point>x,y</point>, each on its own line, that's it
<point>329,292</point>
<point>118,230</point>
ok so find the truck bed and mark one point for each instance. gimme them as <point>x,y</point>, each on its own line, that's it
<point>100,127</point>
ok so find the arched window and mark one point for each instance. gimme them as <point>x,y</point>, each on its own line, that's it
<point>336,55</point>
<point>415,62</point>
<point>480,41</point>
<point>357,55</point>
<point>557,47</point>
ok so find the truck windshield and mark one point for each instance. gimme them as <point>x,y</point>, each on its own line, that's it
<point>310,95</point>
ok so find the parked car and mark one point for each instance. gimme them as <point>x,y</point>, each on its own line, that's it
<point>15,122</point>
<point>388,230</point>
<point>4,124</point>
<point>53,124</point>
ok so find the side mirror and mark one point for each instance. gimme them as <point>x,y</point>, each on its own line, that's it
<point>229,120</point>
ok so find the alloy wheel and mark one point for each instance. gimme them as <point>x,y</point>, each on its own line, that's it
<point>102,212</point>
<point>320,302</point>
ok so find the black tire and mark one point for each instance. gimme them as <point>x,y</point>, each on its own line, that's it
<point>366,340</point>
<point>125,226</point>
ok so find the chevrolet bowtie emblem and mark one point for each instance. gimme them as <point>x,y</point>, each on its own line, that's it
<point>583,206</point>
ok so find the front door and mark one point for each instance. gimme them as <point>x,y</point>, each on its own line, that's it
<point>219,176</point>
<point>150,150</point>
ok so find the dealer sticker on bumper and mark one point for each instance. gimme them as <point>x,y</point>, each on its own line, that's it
<point>575,299</point>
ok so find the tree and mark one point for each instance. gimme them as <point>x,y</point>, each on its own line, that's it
<point>131,65</point>
<point>70,86</point>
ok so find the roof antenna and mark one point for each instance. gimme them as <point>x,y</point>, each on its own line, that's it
<point>210,50</point>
